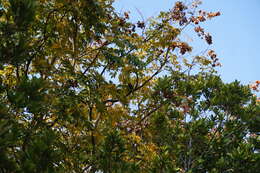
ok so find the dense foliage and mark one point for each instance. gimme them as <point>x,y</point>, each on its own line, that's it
<point>83,89</point>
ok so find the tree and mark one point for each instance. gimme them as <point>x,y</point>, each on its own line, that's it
<point>83,89</point>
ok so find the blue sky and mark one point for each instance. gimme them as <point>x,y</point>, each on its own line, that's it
<point>236,33</point>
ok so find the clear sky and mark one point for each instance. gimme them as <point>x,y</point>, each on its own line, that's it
<point>236,33</point>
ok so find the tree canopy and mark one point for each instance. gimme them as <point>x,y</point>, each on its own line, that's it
<point>84,89</point>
